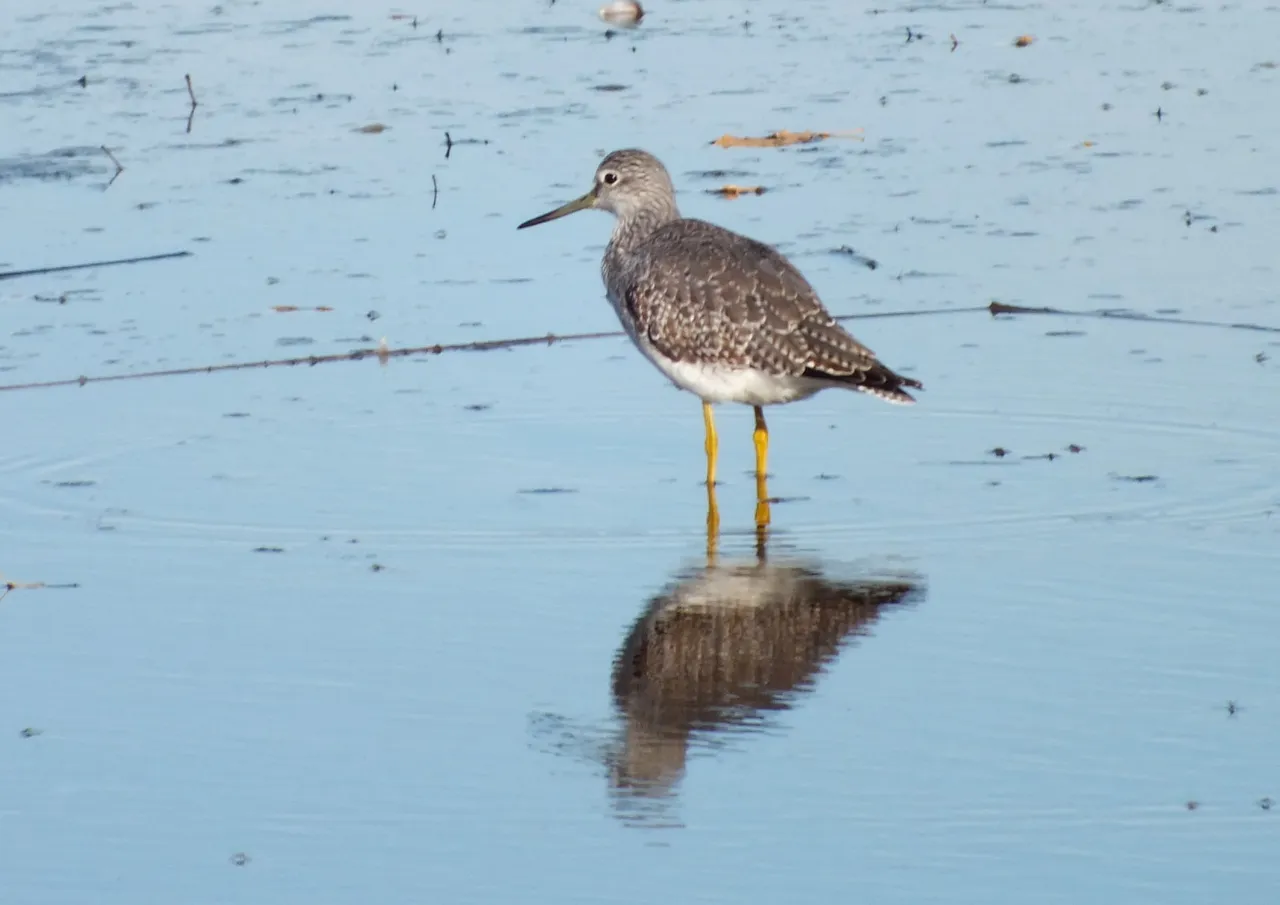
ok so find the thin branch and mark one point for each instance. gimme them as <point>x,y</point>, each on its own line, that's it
<point>383,354</point>
<point>43,270</point>
<point>119,165</point>
<point>1112,314</point>
<point>191,93</point>
<point>435,191</point>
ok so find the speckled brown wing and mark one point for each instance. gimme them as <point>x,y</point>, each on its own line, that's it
<point>703,293</point>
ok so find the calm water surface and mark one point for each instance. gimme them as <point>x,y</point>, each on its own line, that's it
<point>446,629</point>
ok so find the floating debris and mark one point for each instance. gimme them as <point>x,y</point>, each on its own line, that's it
<point>869,263</point>
<point>733,191</point>
<point>622,12</point>
<point>6,586</point>
<point>782,138</point>
<point>450,142</point>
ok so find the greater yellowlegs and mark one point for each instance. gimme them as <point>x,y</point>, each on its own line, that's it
<point>723,316</point>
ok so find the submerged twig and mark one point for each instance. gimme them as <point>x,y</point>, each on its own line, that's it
<point>435,191</point>
<point>383,354</point>
<point>450,141</point>
<point>1111,314</point>
<point>119,165</point>
<point>380,353</point>
<point>191,93</point>
<point>142,260</point>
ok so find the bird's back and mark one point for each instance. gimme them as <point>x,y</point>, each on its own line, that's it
<point>698,292</point>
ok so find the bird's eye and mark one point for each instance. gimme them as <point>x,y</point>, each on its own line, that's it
<point>609,178</point>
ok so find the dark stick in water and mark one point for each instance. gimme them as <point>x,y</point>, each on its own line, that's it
<point>1118,315</point>
<point>9,275</point>
<point>119,165</point>
<point>191,93</point>
<point>384,354</point>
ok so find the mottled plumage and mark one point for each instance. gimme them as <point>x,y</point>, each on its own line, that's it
<point>695,292</point>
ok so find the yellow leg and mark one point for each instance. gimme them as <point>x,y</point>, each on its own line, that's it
<point>761,438</point>
<point>713,524</point>
<point>713,443</point>
<point>713,510</point>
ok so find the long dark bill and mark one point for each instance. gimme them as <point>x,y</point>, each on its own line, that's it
<point>578,204</point>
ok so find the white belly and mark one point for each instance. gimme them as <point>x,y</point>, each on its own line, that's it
<point>719,384</point>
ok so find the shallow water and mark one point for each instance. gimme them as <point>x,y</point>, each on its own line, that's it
<point>445,628</point>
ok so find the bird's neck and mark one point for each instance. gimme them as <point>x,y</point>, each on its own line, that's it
<point>637,226</point>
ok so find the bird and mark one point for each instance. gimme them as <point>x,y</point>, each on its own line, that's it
<point>723,316</point>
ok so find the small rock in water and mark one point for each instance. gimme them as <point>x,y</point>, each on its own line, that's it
<point>622,12</point>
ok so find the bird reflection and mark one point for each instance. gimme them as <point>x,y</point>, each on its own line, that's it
<point>721,649</point>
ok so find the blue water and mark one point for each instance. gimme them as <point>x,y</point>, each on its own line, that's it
<point>331,639</point>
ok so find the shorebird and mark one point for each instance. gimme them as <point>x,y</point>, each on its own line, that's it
<point>725,317</point>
